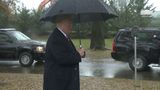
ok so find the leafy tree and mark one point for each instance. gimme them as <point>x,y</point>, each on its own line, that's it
<point>130,14</point>
<point>97,37</point>
<point>23,20</point>
<point>28,21</point>
<point>4,14</point>
<point>38,26</point>
<point>7,10</point>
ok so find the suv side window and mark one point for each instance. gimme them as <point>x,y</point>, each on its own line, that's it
<point>4,37</point>
<point>144,36</point>
<point>124,36</point>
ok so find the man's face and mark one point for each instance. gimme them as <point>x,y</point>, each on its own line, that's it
<point>67,25</point>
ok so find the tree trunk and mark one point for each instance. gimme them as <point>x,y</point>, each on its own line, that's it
<point>97,37</point>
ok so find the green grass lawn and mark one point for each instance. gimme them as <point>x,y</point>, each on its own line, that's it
<point>86,45</point>
<point>96,54</point>
<point>85,42</point>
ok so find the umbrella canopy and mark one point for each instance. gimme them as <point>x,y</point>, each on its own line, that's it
<point>80,10</point>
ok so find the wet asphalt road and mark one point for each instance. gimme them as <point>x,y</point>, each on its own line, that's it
<point>107,68</point>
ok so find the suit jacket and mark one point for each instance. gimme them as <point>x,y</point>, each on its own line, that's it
<point>61,64</point>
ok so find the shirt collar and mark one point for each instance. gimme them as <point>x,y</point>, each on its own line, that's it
<point>62,32</point>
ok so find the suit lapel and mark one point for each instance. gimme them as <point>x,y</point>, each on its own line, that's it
<point>72,44</point>
<point>60,35</point>
<point>68,42</point>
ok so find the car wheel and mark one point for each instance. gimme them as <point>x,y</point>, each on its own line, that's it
<point>141,64</point>
<point>25,59</point>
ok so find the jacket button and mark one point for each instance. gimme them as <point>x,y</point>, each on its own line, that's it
<point>75,68</point>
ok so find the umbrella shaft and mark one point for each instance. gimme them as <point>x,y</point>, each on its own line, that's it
<point>79,34</point>
<point>80,43</point>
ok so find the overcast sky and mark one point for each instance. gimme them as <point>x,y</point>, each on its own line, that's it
<point>30,4</point>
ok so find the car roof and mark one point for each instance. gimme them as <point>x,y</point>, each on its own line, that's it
<point>141,29</point>
<point>7,29</point>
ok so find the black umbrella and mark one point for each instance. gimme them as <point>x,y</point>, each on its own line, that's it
<point>80,10</point>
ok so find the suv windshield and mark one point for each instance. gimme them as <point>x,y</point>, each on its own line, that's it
<point>19,36</point>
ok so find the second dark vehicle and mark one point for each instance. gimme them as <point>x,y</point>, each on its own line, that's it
<point>14,45</point>
<point>148,47</point>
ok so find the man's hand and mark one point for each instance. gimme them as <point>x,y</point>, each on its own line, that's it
<point>82,52</point>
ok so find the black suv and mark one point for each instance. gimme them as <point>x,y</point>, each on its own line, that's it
<point>148,47</point>
<point>14,45</point>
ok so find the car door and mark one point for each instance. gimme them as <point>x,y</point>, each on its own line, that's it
<point>7,47</point>
<point>146,45</point>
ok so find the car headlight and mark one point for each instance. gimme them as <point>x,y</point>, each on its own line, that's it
<point>39,49</point>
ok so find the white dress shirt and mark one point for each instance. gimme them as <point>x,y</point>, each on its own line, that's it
<point>62,32</point>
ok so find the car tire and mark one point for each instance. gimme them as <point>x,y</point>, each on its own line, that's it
<point>142,64</point>
<point>25,59</point>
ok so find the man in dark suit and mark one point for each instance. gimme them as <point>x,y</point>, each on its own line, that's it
<point>62,58</point>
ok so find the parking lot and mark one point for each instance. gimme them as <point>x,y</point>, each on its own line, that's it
<point>107,68</point>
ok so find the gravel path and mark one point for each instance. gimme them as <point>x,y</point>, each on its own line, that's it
<point>10,81</point>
